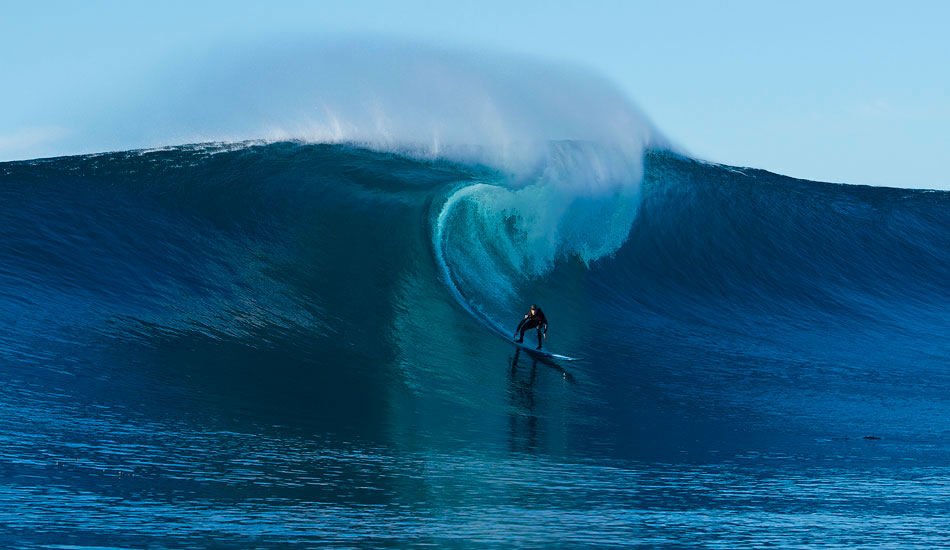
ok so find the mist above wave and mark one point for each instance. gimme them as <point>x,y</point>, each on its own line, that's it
<point>409,98</point>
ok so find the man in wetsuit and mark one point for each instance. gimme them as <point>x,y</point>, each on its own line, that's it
<point>533,319</point>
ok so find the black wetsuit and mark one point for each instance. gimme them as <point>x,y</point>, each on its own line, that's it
<point>531,321</point>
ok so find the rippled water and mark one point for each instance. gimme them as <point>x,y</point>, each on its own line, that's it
<point>85,475</point>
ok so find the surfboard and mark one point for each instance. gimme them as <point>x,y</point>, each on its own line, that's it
<point>543,353</point>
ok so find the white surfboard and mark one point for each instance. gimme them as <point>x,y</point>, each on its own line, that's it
<point>544,353</point>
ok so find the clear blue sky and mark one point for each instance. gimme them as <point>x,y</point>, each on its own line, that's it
<point>855,92</point>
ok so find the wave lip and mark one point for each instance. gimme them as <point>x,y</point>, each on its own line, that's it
<point>492,238</point>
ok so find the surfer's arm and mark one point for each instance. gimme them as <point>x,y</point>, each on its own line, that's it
<point>521,324</point>
<point>544,323</point>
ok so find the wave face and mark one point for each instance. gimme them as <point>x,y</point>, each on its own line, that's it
<point>291,325</point>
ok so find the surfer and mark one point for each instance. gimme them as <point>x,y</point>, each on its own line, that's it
<point>533,319</point>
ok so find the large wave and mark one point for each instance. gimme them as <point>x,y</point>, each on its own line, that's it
<point>565,147</point>
<point>292,245</point>
<point>526,177</point>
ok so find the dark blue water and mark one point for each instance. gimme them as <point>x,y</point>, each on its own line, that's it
<point>294,346</point>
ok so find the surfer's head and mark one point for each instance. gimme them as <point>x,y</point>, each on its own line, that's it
<point>534,308</point>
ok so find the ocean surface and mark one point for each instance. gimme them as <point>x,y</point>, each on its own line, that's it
<point>291,345</point>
